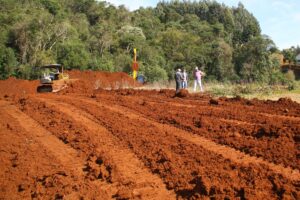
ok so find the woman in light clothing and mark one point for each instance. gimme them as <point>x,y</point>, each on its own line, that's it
<point>197,76</point>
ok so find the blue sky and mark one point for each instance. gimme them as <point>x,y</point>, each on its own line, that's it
<point>279,19</point>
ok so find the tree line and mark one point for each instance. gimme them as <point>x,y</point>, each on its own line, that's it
<point>225,42</point>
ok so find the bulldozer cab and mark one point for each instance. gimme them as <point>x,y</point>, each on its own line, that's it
<point>52,71</point>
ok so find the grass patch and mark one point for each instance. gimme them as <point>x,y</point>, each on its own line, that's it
<point>249,91</point>
<point>255,90</point>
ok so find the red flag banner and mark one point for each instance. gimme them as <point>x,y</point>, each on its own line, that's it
<point>135,66</point>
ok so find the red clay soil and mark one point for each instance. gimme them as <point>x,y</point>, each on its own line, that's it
<point>17,86</point>
<point>105,80</point>
<point>91,143</point>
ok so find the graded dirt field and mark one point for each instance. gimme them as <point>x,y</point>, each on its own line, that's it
<point>89,143</point>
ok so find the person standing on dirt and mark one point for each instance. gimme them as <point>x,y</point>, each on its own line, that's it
<point>178,79</point>
<point>185,79</point>
<point>197,79</point>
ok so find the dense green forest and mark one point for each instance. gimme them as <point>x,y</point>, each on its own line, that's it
<point>226,42</point>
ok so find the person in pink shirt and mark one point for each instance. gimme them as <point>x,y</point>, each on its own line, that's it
<point>197,79</point>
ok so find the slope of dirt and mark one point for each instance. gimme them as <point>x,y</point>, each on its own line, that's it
<point>80,82</point>
<point>89,143</point>
<point>93,80</point>
<point>17,86</point>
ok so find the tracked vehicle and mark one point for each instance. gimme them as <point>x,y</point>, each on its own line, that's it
<point>52,79</point>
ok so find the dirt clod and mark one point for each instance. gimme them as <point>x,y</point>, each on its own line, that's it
<point>213,101</point>
<point>182,93</point>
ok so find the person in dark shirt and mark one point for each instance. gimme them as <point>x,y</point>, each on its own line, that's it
<point>178,79</point>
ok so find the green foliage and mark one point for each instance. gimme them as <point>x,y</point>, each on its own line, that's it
<point>291,53</point>
<point>155,73</point>
<point>8,62</point>
<point>277,78</point>
<point>73,55</point>
<point>123,62</point>
<point>25,72</point>
<point>52,6</point>
<point>88,34</point>
<point>102,64</point>
<point>290,75</point>
<point>290,79</point>
<point>44,58</point>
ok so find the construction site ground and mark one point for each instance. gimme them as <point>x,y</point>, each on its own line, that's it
<point>87,142</point>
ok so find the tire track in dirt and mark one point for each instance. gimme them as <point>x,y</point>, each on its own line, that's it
<point>226,152</point>
<point>129,169</point>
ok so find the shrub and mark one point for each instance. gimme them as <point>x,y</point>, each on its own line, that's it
<point>290,75</point>
<point>156,73</point>
<point>73,55</point>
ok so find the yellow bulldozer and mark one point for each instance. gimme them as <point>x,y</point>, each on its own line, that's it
<point>52,78</point>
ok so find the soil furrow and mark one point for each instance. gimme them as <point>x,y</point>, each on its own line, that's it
<point>129,169</point>
<point>59,171</point>
<point>183,165</point>
<point>226,152</point>
<point>271,140</point>
<point>281,108</point>
<point>251,117</point>
<point>61,151</point>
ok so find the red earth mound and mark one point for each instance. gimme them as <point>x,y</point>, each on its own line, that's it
<point>17,86</point>
<point>104,80</point>
<point>81,82</point>
<point>182,93</point>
